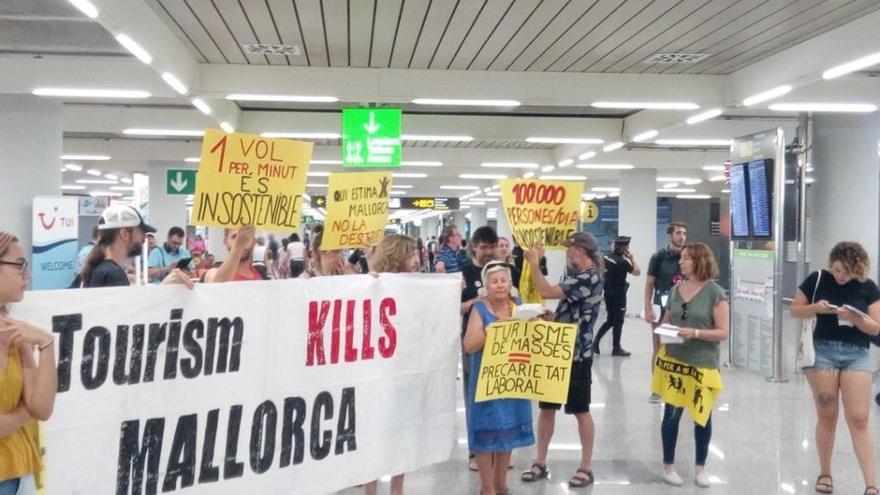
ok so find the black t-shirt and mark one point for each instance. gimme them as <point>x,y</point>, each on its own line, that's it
<point>108,274</point>
<point>666,272</point>
<point>857,294</point>
<point>617,267</point>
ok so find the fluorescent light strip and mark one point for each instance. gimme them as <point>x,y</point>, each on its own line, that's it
<point>316,185</point>
<point>174,82</point>
<point>713,168</point>
<point>91,93</point>
<point>563,177</point>
<point>605,189</point>
<point>318,174</point>
<point>646,105</point>
<point>85,157</point>
<point>401,186</point>
<point>587,155</point>
<point>675,179</point>
<point>849,67</point>
<point>548,168</point>
<point>96,181</point>
<point>528,175</point>
<point>565,163</point>
<point>509,165</point>
<point>164,132</point>
<point>717,178</point>
<point>85,7</point>
<point>72,188</point>
<point>483,176</point>
<point>74,167</point>
<point>201,105</point>
<point>192,159</point>
<point>94,172</point>
<point>613,146</point>
<point>671,185</point>
<point>638,138</point>
<point>135,49</point>
<point>301,135</point>
<point>693,196</point>
<point>466,102</point>
<point>605,166</point>
<point>122,188</point>
<point>677,190</point>
<point>226,126</point>
<point>125,180</point>
<point>823,107</point>
<point>693,142</point>
<point>700,117</point>
<point>289,98</point>
<point>767,95</point>
<point>421,137</point>
<point>111,176</point>
<point>420,164</point>
<point>97,194</point>
<point>563,140</point>
<point>407,175</point>
<point>326,162</point>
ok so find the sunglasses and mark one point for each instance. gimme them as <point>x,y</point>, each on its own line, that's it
<point>684,311</point>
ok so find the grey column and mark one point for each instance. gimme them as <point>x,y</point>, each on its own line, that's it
<point>638,219</point>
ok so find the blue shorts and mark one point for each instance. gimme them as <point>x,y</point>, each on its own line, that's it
<point>19,486</point>
<point>841,356</point>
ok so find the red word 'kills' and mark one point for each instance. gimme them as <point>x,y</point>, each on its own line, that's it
<point>320,311</point>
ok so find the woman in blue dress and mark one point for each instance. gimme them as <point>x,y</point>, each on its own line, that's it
<point>496,427</point>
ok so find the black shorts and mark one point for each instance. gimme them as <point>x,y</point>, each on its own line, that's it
<point>579,389</point>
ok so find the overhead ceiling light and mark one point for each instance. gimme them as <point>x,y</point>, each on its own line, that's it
<point>174,82</point>
<point>563,140</point>
<point>85,7</point>
<point>509,165</point>
<point>565,163</point>
<point>587,155</point>
<point>548,168</point>
<point>677,190</point>
<point>714,168</point>
<point>63,170</point>
<point>74,167</point>
<point>401,186</point>
<point>528,175</point>
<point>86,157</point>
<point>288,98</point>
<point>423,137</point>
<point>326,162</point>
<point>164,132</point>
<point>809,180</point>
<point>717,178</point>
<point>496,187</point>
<point>601,196</point>
<point>693,196</point>
<point>693,142</point>
<point>466,102</point>
<point>482,176</point>
<point>700,117</point>
<point>192,159</point>
<point>675,179</point>
<point>91,93</point>
<point>420,164</point>
<point>125,180</point>
<point>96,181</point>
<point>725,191</point>
<point>398,193</point>
<point>121,188</point>
<point>605,189</point>
<point>94,172</point>
<point>72,188</point>
<point>226,126</point>
<point>614,195</point>
<point>201,105</point>
<point>670,185</point>
<point>605,166</point>
<point>494,193</point>
<point>316,185</point>
<point>472,203</point>
<point>111,176</point>
<point>767,95</point>
<point>857,64</point>
<point>135,49</point>
<point>407,175</point>
<point>646,105</point>
<point>318,174</point>
<point>588,196</point>
<point>824,107</point>
<point>487,189</point>
<point>563,177</point>
<point>638,138</point>
<point>98,194</point>
<point>613,146</point>
<point>301,135</point>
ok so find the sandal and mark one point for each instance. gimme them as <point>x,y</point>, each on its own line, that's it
<point>872,490</point>
<point>580,481</point>
<point>824,487</point>
<point>532,475</point>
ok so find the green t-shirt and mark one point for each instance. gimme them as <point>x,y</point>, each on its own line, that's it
<point>700,315</point>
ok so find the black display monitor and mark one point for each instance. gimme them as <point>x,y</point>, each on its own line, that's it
<point>739,207</point>
<point>760,198</point>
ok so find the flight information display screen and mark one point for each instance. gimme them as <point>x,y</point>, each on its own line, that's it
<point>760,196</point>
<point>739,207</point>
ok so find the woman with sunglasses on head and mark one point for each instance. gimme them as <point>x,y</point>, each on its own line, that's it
<point>843,366</point>
<point>27,389</point>
<point>698,306</point>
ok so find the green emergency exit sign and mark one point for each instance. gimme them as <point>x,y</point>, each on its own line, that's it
<point>180,182</point>
<point>370,137</point>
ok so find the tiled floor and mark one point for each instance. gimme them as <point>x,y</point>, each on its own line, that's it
<point>762,439</point>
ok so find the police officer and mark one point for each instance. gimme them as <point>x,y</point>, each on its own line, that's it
<point>618,263</point>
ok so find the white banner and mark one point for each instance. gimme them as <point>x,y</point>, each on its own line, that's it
<point>292,386</point>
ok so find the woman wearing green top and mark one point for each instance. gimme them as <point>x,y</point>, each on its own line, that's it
<point>698,306</point>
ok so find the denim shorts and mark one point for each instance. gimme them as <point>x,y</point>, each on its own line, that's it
<point>841,356</point>
<point>18,486</point>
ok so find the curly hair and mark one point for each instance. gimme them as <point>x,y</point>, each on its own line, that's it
<point>853,257</point>
<point>705,266</point>
<point>393,254</point>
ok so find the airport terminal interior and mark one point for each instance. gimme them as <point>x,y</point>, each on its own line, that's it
<point>755,122</point>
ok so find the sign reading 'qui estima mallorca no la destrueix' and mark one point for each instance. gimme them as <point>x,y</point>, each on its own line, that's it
<point>370,137</point>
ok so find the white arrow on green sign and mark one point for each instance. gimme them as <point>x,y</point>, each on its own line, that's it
<point>180,182</point>
<point>370,137</point>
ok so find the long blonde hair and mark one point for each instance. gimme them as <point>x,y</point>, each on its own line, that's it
<point>393,254</point>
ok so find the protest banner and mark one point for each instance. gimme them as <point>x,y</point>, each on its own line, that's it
<point>357,210</point>
<point>287,386</point>
<point>541,211</point>
<point>683,385</point>
<point>244,179</point>
<point>527,360</point>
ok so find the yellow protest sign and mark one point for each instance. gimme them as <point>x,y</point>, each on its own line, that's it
<point>527,360</point>
<point>246,179</point>
<point>541,211</point>
<point>357,209</point>
<point>683,385</point>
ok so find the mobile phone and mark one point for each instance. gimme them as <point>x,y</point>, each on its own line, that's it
<point>183,264</point>
<point>833,306</point>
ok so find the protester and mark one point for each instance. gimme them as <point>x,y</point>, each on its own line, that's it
<point>664,273</point>
<point>151,242</point>
<point>27,388</point>
<point>580,295</point>
<point>284,259</point>
<point>198,244</point>
<point>446,259</point>
<point>297,256</point>
<point>260,258</point>
<point>163,260</point>
<point>698,306</point>
<point>325,262</point>
<point>618,263</point>
<point>239,265</point>
<point>843,365</point>
<point>503,253</point>
<point>495,427</point>
<point>84,251</point>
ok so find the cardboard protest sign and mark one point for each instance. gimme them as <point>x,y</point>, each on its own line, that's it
<point>293,386</point>
<point>683,385</point>
<point>541,211</point>
<point>244,179</point>
<point>527,360</point>
<point>357,209</point>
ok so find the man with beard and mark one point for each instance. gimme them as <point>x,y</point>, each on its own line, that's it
<point>239,264</point>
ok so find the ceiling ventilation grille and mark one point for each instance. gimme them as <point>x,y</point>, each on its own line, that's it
<point>677,58</point>
<point>270,49</point>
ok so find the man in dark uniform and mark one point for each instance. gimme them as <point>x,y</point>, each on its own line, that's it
<point>618,263</point>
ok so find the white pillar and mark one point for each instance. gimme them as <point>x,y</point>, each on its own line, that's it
<point>503,227</point>
<point>429,227</point>
<point>460,221</point>
<point>638,219</point>
<point>165,211</point>
<point>30,160</point>
<point>478,217</point>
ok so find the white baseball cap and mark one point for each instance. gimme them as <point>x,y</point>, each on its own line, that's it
<point>120,216</point>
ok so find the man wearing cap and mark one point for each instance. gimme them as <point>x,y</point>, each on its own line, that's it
<point>580,295</point>
<point>618,263</point>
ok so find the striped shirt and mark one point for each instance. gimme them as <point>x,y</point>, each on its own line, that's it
<point>449,258</point>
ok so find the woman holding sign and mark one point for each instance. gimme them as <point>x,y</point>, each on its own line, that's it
<point>495,427</point>
<point>27,389</point>
<point>686,374</point>
<point>325,262</point>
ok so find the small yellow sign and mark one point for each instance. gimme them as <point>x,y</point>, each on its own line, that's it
<point>683,385</point>
<point>589,211</point>
<point>246,179</point>
<point>541,211</point>
<point>527,360</point>
<point>357,210</point>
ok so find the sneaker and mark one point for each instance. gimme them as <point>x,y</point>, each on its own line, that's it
<point>472,464</point>
<point>672,479</point>
<point>654,399</point>
<point>702,480</point>
<point>620,352</point>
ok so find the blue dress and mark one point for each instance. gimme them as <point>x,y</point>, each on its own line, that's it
<point>496,425</point>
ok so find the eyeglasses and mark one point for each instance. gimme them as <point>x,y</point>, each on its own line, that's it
<point>684,311</point>
<point>22,265</point>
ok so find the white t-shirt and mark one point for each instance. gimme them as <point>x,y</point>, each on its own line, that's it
<point>259,254</point>
<point>297,250</point>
